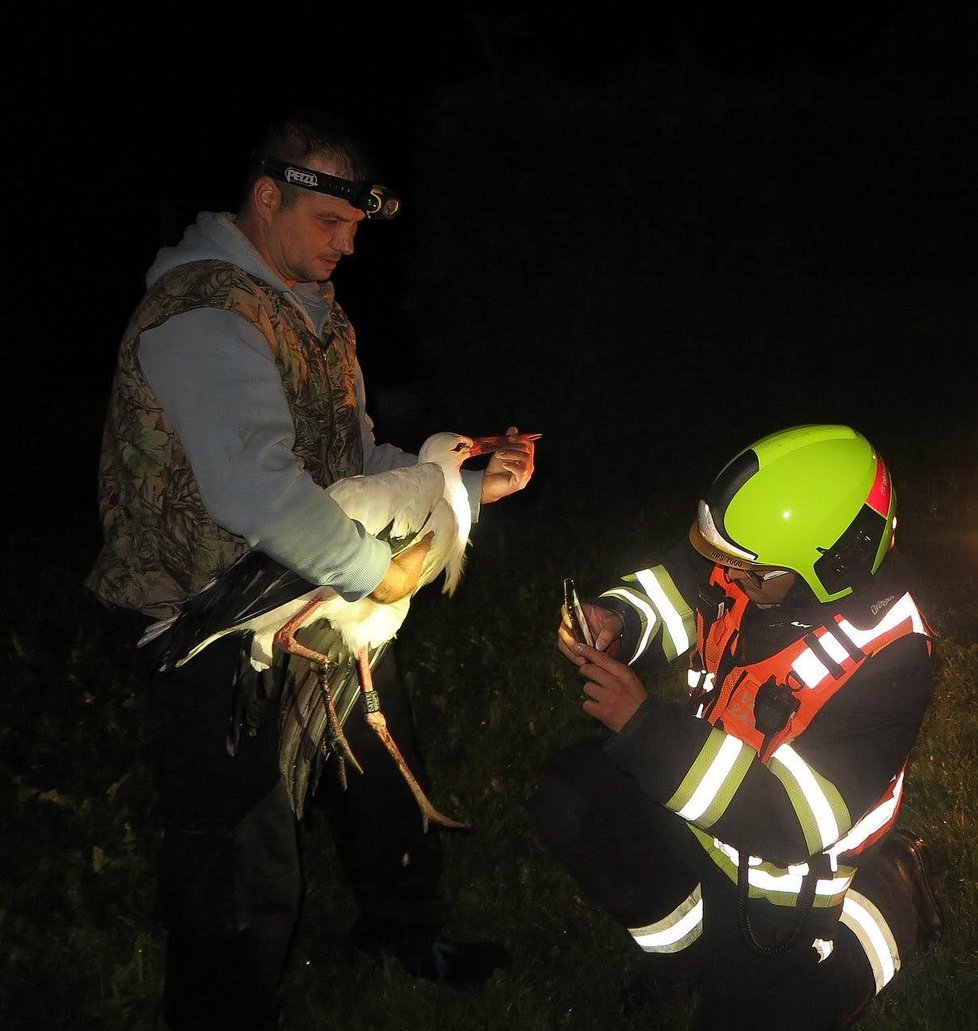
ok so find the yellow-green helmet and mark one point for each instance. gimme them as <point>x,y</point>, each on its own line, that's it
<point>813,499</point>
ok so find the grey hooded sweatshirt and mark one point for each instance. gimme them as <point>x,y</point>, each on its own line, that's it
<point>228,405</point>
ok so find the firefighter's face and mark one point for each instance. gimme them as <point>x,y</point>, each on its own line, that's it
<point>763,585</point>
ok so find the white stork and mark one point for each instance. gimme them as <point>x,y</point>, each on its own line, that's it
<point>259,597</point>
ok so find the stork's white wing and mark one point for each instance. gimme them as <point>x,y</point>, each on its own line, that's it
<point>402,496</point>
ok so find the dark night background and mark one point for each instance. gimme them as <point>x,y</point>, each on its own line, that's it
<point>651,235</point>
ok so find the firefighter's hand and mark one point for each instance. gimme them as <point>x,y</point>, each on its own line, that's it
<point>613,691</point>
<point>606,626</point>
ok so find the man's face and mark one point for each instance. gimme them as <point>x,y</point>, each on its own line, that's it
<point>307,240</point>
<point>763,592</point>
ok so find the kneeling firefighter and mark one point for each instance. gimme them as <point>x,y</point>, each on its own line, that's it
<point>747,837</point>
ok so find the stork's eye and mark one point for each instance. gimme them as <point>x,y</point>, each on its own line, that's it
<point>460,446</point>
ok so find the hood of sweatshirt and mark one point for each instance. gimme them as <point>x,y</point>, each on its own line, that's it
<point>215,237</point>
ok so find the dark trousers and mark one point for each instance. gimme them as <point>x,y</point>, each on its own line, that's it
<point>638,861</point>
<point>230,874</point>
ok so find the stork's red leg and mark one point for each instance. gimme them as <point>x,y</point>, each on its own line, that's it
<point>375,718</point>
<point>285,636</point>
<point>335,740</point>
<point>285,641</point>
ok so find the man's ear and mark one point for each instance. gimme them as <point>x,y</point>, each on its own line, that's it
<point>266,196</point>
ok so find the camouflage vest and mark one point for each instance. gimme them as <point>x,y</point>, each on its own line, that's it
<point>161,546</point>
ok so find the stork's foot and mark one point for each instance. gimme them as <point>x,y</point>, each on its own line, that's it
<point>336,739</point>
<point>375,718</point>
<point>338,744</point>
<point>429,814</point>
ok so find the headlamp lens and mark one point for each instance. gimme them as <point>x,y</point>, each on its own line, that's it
<point>379,202</point>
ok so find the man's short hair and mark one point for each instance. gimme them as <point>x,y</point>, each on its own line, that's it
<point>299,136</point>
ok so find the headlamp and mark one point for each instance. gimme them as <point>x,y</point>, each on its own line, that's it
<point>378,202</point>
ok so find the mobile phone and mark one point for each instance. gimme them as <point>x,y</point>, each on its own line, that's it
<point>579,624</point>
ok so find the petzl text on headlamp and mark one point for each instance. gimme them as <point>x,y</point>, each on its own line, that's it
<point>377,201</point>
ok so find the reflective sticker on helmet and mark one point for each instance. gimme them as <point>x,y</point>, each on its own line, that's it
<point>879,494</point>
<point>714,546</point>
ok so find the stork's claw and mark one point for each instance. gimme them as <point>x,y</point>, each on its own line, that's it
<point>337,741</point>
<point>429,814</point>
<point>285,640</point>
<point>373,716</point>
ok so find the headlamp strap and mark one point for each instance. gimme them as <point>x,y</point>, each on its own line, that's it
<point>376,200</point>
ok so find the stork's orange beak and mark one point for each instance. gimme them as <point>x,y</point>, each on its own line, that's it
<point>486,445</point>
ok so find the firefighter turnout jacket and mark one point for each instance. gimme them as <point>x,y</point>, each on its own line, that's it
<point>788,760</point>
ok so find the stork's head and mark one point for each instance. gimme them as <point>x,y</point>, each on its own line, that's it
<point>452,449</point>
